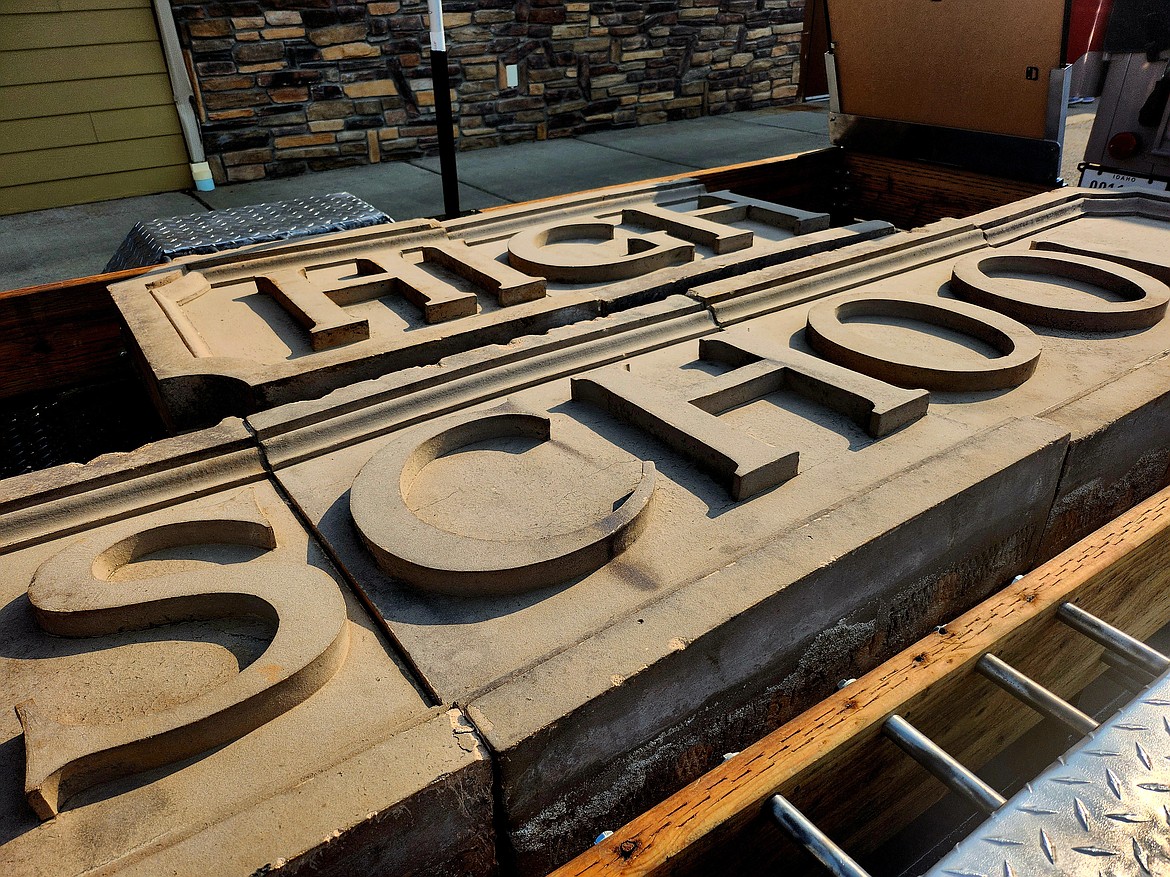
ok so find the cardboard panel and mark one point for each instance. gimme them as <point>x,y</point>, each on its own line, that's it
<point>978,65</point>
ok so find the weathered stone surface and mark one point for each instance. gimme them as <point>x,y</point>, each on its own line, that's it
<point>283,323</point>
<point>628,530</point>
<point>182,661</point>
<point>729,609</point>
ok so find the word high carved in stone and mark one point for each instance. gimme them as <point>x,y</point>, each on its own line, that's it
<point>74,594</point>
<point>238,332</point>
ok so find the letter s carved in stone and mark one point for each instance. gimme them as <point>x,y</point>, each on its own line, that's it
<point>72,595</point>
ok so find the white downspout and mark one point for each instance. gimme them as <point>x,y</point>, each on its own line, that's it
<point>184,95</point>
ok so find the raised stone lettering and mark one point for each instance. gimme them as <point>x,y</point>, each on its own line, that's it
<point>746,466</point>
<point>689,227</point>
<point>438,560</point>
<point>594,251</point>
<point>508,285</point>
<point>829,333</point>
<point>319,308</point>
<point>728,207</point>
<point>72,595</point>
<point>978,278</point>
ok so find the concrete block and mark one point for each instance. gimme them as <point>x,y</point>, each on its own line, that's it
<point>192,688</point>
<point>746,590</point>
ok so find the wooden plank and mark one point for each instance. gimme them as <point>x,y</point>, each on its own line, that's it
<point>92,158</point>
<point>833,763</point>
<point>56,335</point>
<point>959,65</point>
<point>95,28</point>
<point>128,124</point>
<point>84,190</point>
<point>83,5</point>
<point>796,173</point>
<point>71,63</point>
<point>48,133</point>
<point>63,98</point>
<point>910,194</point>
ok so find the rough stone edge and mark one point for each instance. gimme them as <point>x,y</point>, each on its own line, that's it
<point>1034,442</point>
<point>419,802</point>
<point>1119,456</point>
<point>76,496</point>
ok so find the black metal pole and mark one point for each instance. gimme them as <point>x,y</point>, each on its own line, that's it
<point>444,118</point>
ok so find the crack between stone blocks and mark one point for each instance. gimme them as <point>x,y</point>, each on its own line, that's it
<point>505,855</point>
<point>402,657</point>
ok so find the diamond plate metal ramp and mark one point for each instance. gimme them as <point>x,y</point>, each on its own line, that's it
<point>1102,808</point>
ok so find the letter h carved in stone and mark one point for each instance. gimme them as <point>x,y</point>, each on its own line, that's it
<point>744,465</point>
<point>320,308</point>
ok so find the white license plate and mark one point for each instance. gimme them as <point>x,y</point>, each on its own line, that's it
<point>1097,179</point>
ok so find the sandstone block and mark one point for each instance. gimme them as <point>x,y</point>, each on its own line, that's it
<point>282,17</point>
<point>243,173</point>
<point>258,53</point>
<point>303,140</point>
<point>350,50</point>
<point>262,68</point>
<point>217,27</point>
<point>282,33</point>
<point>335,34</point>
<point>373,88</point>
<point>285,771</point>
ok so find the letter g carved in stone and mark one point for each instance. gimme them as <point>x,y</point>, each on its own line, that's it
<point>434,559</point>
<point>72,595</point>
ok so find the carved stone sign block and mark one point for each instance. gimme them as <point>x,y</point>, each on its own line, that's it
<point>831,475</point>
<point>190,666</point>
<point>238,332</point>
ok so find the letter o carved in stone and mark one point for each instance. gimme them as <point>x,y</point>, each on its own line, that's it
<point>438,560</point>
<point>1144,297</point>
<point>829,335</point>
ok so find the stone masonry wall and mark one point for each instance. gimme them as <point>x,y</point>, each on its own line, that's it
<point>287,86</point>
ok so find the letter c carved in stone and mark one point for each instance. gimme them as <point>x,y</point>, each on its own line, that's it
<point>434,559</point>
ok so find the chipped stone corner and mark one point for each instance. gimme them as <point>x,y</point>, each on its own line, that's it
<point>466,733</point>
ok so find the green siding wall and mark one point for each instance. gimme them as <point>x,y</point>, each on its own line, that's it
<point>86,112</point>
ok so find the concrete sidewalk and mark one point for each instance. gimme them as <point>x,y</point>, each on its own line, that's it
<point>62,243</point>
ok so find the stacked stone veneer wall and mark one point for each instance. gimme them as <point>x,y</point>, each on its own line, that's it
<point>287,86</point>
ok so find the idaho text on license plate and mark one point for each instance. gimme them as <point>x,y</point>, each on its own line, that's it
<point>1098,179</point>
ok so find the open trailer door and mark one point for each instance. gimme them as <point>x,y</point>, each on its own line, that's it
<point>979,84</point>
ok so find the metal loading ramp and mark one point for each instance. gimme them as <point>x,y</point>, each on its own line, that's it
<point>1102,808</point>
